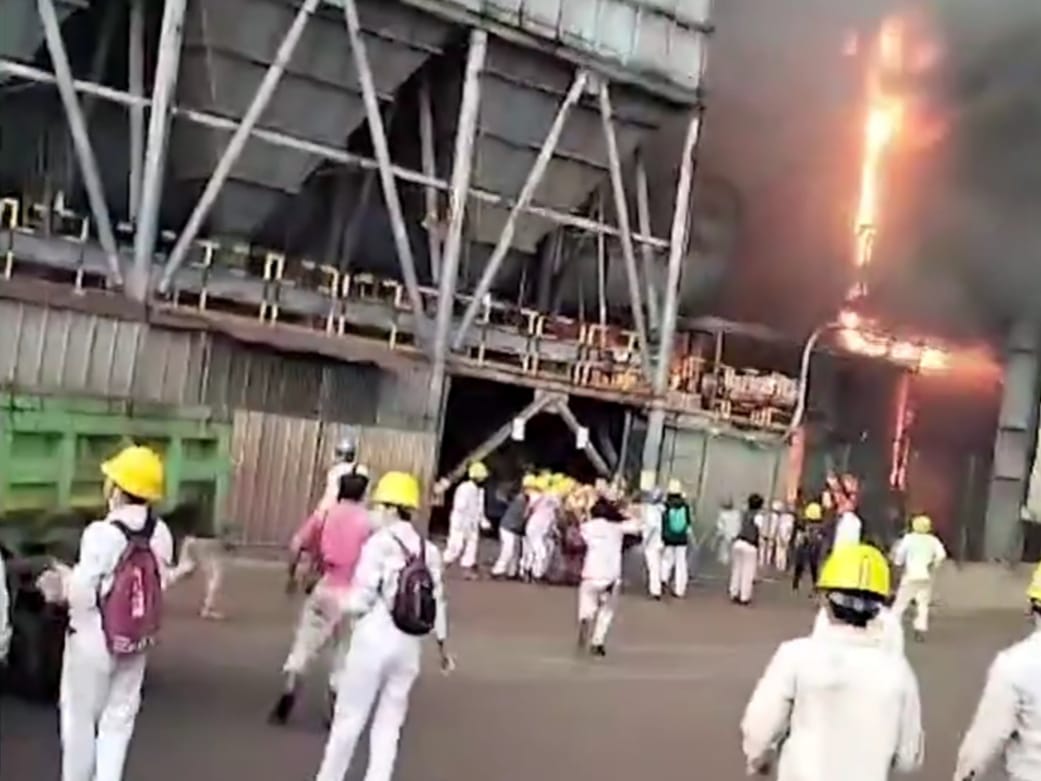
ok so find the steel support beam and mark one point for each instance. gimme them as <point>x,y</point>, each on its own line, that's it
<point>324,151</point>
<point>670,310</point>
<point>237,143</point>
<point>462,167</point>
<point>136,85</point>
<point>378,135</point>
<point>621,207</point>
<point>433,210</point>
<point>643,215</point>
<point>80,137</point>
<point>165,83</point>
<point>569,418</point>
<point>527,192</point>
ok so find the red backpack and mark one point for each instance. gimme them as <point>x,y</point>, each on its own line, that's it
<point>132,611</point>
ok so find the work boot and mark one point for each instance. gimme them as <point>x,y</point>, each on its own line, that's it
<point>283,708</point>
<point>919,636</point>
<point>598,650</point>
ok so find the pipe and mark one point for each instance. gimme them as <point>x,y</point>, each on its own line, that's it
<point>804,378</point>
<point>326,152</point>
<point>527,191</point>
<point>462,167</point>
<point>80,137</point>
<point>136,87</point>
<point>165,82</point>
<point>643,215</point>
<point>235,146</point>
<point>391,198</point>
<point>426,142</point>
<point>621,207</point>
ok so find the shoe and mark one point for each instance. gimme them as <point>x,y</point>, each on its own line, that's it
<point>656,597</point>
<point>284,706</point>
<point>919,637</point>
<point>598,650</point>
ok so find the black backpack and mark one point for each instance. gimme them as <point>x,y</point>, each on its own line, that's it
<point>414,610</point>
<point>749,530</point>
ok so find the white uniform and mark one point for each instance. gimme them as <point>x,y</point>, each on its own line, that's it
<point>886,625</point>
<point>728,524</point>
<point>653,547</point>
<point>207,554</point>
<point>919,555</point>
<point>783,539</point>
<point>767,536</point>
<point>383,662</point>
<point>1008,718</point>
<point>464,524</point>
<point>848,530</point>
<point>602,573</point>
<point>5,613</point>
<point>100,694</point>
<point>536,535</point>
<point>840,706</point>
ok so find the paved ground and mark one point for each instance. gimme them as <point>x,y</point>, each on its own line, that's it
<point>520,707</point>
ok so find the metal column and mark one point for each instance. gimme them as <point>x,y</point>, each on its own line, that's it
<point>462,166</point>
<point>166,70</point>
<point>237,143</point>
<point>136,87</point>
<point>426,140</point>
<point>80,137</point>
<point>527,191</point>
<point>643,215</point>
<point>670,309</point>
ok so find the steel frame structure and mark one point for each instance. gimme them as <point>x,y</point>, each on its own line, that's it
<point>148,162</point>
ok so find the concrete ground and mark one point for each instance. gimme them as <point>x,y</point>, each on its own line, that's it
<point>521,706</point>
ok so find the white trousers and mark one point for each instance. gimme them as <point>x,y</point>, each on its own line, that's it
<point>652,556</point>
<point>462,545</point>
<point>509,554</point>
<point>674,568</point>
<point>100,698</point>
<point>597,602</point>
<point>208,555</point>
<point>919,592</point>
<point>743,564</point>
<point>382,664</point>
<point>765,552</point>
<point>781,548</point>
<point>536,555</point>
<point>323,624</point>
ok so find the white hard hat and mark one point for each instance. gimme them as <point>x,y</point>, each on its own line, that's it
<point>347,448</point>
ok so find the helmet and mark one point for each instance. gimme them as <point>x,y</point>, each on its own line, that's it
<point>675,487</point>
<point>1034,589</point>
<point>813,512</point>
<point>477,471</point>
<point>855,568</point>
<point>399,489</point>
<point>529,482</point>
<point>346,448</point>
<point>137,471</point>
<point>922,524</point>
<point>777,506</point>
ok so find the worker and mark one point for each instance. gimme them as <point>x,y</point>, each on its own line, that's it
<point>511,531</point>
<point>1008,717</point>
<point>208,555</point>
<point>728,524</point>
<point>920,553</point>
<point>542,516</point>
<point>345,460</point>
<point>809,544</point>
<point>653,513</point>
<point>838,704</point>
<point>744,556</point>
<point>677,528</point>
<point>767,535</point>
<point>397,598</point>
<point>848,529</point>
<point>114,598</point>
<point>334,541</point>
<point>784,530</point>
<point>466,519</point>
<point>604,534</point>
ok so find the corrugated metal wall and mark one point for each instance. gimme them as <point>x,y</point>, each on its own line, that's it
<point>279,467</point>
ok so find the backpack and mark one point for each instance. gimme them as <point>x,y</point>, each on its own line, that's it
<point>132,611</point>
<point>749,530</point>
<point>675,528</point>
<point>414,610</point>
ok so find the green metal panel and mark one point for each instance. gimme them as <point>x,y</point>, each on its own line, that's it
<point>51,449</point>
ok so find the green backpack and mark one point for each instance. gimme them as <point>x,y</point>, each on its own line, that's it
<point>676,529</point>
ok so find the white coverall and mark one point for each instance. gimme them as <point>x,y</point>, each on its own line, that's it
<point>536,536</point>
<point>464,524</point>
<point>208,554</point>
<point>919,555</point>
<point>1008,718</point>
<point>783,539</point>
<point>5,613</point>
<point>836,705</point>
<point>602,573</point>
<point>744,561</point>
<point>767,536</point>
<point>886,625</point>
<point>674,567</point>
<point>848,530</point>
<point>728,524</point>
<point>101,694</point>
<point>653,547</point>
<point>383,662</point>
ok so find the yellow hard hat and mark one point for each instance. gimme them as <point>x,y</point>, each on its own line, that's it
<point>529,481</point>
<point>399,489</point>
<point>855,568</point>
<point>137,471</point>
<point>477,471</point>
<point>1034,589</point>
<point>922,524</point>
<point>812,512</point>
<point>675,487</point>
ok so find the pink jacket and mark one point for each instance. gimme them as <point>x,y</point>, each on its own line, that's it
<point>335,537</point>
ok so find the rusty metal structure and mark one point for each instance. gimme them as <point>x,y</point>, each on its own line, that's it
<point>424,189</point>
